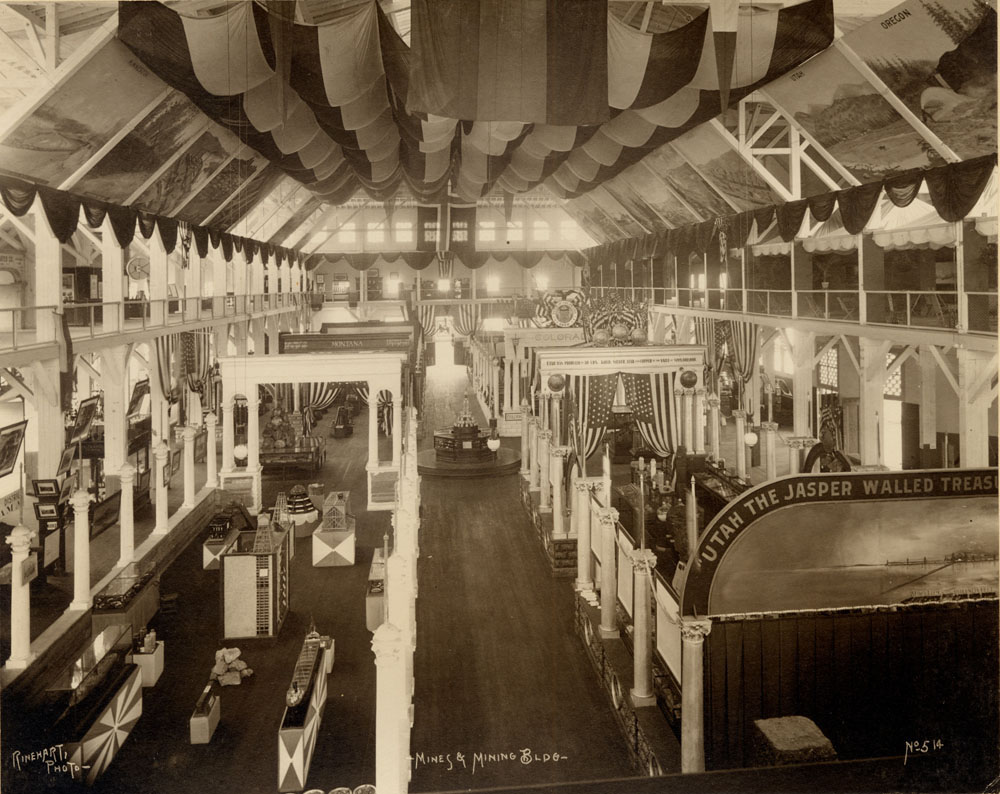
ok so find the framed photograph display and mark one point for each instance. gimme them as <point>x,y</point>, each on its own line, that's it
<point>201,447</point>
<point>166,475</point>
<point>10,444</point>
<point>175,461</point>
<point>142,482</point>
<point>68,287</point>
<point>84,419</point>
<point>142,459</point>
<point>140,390</point>
<point>45,489</point>
<point>46,512</point>
<point>66,461</point>
<point>67,489</point>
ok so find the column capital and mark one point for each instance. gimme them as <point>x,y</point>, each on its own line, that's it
<point>699,390</point>
<point>643,560</point>
<point>20,538</point>
<point>714,401</point>
<point>547,435</point>
<point>211,419</point>
<point>582,485</point>
<point>80,500</point>
<point>769,427</point>
<point>160,450</point>
<point>739,413</point>
<point>127,472</point>
<point>227,405</point>
<point>801,442</point>
<point>387,644</point>
<point>608,516</point>
<point>525,405</point>
<point>695,631</point>
<point>678,391</point>
<point>559,452</point>
<point>190,431</point>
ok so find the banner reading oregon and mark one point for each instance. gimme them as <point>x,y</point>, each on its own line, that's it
<point>836,523</point>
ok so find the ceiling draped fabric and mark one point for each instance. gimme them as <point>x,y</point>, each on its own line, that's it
<point>351,107</point>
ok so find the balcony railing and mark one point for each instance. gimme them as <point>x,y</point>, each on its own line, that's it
<point>909,308</point>
<point>23,327</point>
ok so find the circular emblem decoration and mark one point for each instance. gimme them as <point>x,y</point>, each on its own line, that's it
<point>556,382</point>
<point>619,331</point>
<point>565,314</point>
<point>689,379</point>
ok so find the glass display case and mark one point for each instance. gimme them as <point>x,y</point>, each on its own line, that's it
<point>117,593</point>
<point>133,596</point>
<point>85,686</point>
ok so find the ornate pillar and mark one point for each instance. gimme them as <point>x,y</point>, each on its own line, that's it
<point>556,458</point>
<point>81,550</point>
<point>693,633</point>
<point>189,433</point>
<point>643,562</point>
<point>713,426</point>
<point>533,433</point>
<point>525,440</point>
<point>698,421</point>
<point>253,429</point>
<point>397,430</point>
<point>161,459</point>
<point>685,419</point>
<point>557,420</point>
<point>228,434</point>
<point>770,433</point>
<point>19,540</point>
<point>741,450</point>
<point>544,473</point>
<point>211,464</point>
<point>581,508</point>
<point>795,445</point>
<point>126,520</point>
<point>372,425</point>
<point>609,573</point>
<point>392,746</point>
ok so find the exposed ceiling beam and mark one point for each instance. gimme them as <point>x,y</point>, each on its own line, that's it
<point>51,36</point>
<point>199,129</point>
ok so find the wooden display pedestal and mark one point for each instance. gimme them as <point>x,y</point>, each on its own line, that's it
<point>150,664</point>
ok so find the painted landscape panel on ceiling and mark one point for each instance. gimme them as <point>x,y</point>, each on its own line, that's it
<point>614,210</point>
<point>627,195</point>
<point>247,198</point>
<point>223,185</point>
<point>191,169</point>
<point>678,174</point>
<point>594,219</point>
<point>137,156</point>
<point>712,155</point>
<point>846,115</point>
<point>941,60</point>
<point>79,118</point>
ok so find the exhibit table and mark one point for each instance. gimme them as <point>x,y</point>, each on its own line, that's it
<point>150,664</point>
<point>333,541</point>
<point>205,717</point>
<point>254,582</point>
<point>220,540</point>
<point>131,598</point>
<point>305,700</point>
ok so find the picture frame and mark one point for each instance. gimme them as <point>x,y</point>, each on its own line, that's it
<point>68,287</point>
<point>84,419</point>
<point>175,461</point>
<point>66,460</point>
<point>166,476</point>
<point>10,444</point>
<point>95,287</point>
<point>66,489</point>
<point>139,391</point>
<point>43,489</point>
<point>142,483</point>
<point>142,459</point>
<point>46,511</point>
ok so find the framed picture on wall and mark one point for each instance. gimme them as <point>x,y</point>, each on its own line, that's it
<point>175,461</point>
<point>10,444</point>
<point>68,287</point>
<point>66,460</point>
<point>46,511</point>
<point>45,488</point>
<point>95,287</point>
<point>142,482</point>
<point>67,489</point>
<point>142,459</point>
<point>166,476</point>
<point>84,419</point>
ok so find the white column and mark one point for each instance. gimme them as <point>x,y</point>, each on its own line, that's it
<point>693,633</point>
<point>114,382</point>
<point>698,421</point>
<point>795,445</point>
<point>211,464</point>
<point>189,434</point>
<point>397,430</point>
<point>372,423</point>
<point>741,451</point>
<point>581,508</point>
<point>713,426</point>
<point>609,572</point>
<point>544,471</point>
<point>126,520</point>
<point>770,432</point>
<point>19,540</point>
<point>161,455</point>
<point>253,429</point>
<point>533,433</point>
<point>228,434</point>
<point>871,441</point>
<point>392,735</point>
<point>192,284</point>
<point>158,278</point>
<point>525,440</point>
<point>803,351</point>
<point>975,372</point>
<point>679,397</point>
<point>557,421</point>
<point>556,458</point>
<point>112,278</point>
<point>643,563</point>
<point>81,550</point>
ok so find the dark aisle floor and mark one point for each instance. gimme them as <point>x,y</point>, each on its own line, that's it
<point>498,666</point>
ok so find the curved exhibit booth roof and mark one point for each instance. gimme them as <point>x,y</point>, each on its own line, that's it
<point>854,539</point>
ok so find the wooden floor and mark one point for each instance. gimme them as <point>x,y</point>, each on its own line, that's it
<point>498,667</point>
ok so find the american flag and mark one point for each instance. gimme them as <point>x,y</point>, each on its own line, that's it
<point>651,398</point>
<point>593,395</point>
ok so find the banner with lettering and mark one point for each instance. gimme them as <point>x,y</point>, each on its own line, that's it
<point>847,539</point>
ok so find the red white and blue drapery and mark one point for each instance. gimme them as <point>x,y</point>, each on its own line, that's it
<point>651,398</point>
<point>591,397</point>
<point>385,412</point>
<point>468,319</point>
<point>316,397</point>
<point>195,358</point>
<point>427,320</point>
<point>743,342</point>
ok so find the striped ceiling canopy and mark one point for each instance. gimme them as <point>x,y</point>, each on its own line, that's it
<point>491,95</point>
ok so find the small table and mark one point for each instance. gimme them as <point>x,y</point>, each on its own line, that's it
<point>205,718</point>
<point>150,664</point>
